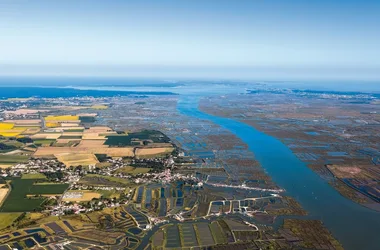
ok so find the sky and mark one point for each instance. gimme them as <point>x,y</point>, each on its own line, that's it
<point>215,38</point>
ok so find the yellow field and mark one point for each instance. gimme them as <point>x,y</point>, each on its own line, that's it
<point>6,125</point>
<point>62,118</point>
<point>52,124</point>
<point>99,107</point>
<point>74,159</point>
<point>12,132</point>
<point>85,195</point>
<point>9,134</point>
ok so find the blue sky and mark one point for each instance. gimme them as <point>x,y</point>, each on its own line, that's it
<point>90,36</point>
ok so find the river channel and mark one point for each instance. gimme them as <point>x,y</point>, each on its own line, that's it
<point>355,226</point>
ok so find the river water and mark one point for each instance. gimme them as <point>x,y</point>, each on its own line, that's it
<point>355,226</point>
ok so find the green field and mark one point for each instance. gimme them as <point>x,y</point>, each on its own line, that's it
<point>44,141</point>
<point>87,119</point>
<point>127,140</point>
<point>6,219</point>
<point>110,178</point>
<point>7,147</point>
<point>17,200</point>
<point>10,159</point>
<point>133,170</point>
<point>33,176</point>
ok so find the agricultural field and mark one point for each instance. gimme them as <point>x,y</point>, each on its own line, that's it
<point>13,159</point>
<point>146,152</point>
<point>73,159</point>
<point>99,106</point>
<point>17,200</point>
<point>133,170</point>
<point>3,192</point>
<point>61,118</point>
<point>4,125</point>
<point>33,176</point>
<point>112,152</point>
<point>137,138</point>
<point>6,219</point>
<point>95,179</point>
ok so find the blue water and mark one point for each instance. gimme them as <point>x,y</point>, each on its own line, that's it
<point>355,226</point>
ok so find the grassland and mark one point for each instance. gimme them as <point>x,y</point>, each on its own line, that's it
<point>6,219</point>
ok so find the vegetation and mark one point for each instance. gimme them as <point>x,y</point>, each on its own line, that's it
<point>6,147</point>
<point>24,140</point>
<point>13,159</point>
<point>133,170</point>
<point>33,176</point>
<point>87,119</point>
<point>99,107</point>
<point>7,219</point>
<point>17,200</point>
<point>131,138</point>
<point>61,118</point>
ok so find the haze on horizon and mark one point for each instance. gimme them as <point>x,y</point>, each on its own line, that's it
<point>224,39</point>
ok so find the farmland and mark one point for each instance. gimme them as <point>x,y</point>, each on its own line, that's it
<point>12,159</point>
<point>6,219</point>
<point>133,170</point>
<point>104,180</point>
<point>3,192</point>
<point>17,200</point>
<point>62,118</point>
<point>137,138</point>
<point>72,159</point>
<point>33,176</point>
